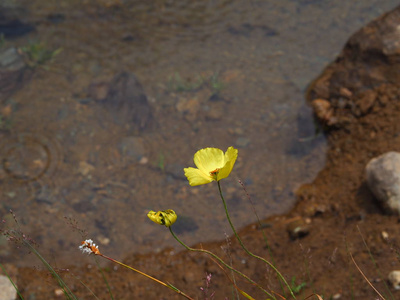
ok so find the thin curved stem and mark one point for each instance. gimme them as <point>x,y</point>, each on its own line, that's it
<point>244,247</point>
<point>263,232</point>
<point>148,276</point>
<point>220,261</point>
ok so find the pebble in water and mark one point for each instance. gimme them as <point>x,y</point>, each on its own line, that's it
<point>133,147</point>
<point>242,142</point>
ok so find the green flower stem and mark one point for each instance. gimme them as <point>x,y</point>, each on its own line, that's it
<point>148,276</point>
<point>244,247</point>
<point>12,282</point>
<point>66,290</point>
<point>104,277</point>
<point>221,261</point>
<point>264,235</point>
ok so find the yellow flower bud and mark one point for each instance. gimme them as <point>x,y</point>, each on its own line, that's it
<point>164,217</point>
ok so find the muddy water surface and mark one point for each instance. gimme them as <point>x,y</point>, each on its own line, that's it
<point>88,142</point>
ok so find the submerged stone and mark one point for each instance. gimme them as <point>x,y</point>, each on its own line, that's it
<point>12,69</point>
<point>11,27</point>
<point>126,101</point>
<point>132,147</point>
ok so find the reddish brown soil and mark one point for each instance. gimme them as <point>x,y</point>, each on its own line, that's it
<point>361,119</point>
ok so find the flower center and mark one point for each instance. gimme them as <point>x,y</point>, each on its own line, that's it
<point>214,173</point>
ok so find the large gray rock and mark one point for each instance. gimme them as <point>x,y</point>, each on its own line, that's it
<point>383,178</point>
<point>7,290</point>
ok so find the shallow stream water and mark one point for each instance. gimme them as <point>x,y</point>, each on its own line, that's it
<point>201,73</point>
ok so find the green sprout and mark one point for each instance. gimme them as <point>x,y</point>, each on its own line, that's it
<point>212,83</point>
<point>215,83</point>
<point>296,288</point>
<point>176,83</point>
<point>161,162</point>
<point>2,40</point>
<point>5,123</point>
<point>36,54</point>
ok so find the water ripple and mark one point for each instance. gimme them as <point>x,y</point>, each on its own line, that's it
<point>28,160</point>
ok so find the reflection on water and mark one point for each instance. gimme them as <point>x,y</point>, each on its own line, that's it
<point>102,132</point>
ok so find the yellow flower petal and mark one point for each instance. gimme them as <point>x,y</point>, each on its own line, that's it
<point>209,159</point>
<point>169,217</point>
<point>212,165</point>
<point>197,177</point>
<point>230,159</point>
<point>164,217</point>
<point>153,216</point>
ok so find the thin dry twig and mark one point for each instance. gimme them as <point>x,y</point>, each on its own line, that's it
<point>365,277</point>
<point>316,295</point>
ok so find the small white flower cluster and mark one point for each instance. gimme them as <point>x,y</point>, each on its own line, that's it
<point>89,247</point>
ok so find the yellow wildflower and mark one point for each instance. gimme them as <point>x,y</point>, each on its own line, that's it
<point>212,165</point>
<point>165,217</point>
